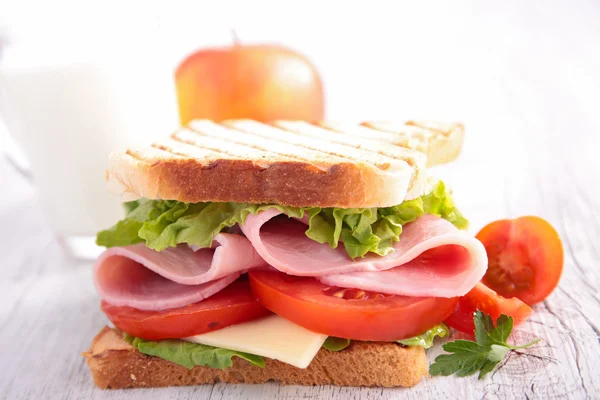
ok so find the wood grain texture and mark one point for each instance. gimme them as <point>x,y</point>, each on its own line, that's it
<point>532,139</point>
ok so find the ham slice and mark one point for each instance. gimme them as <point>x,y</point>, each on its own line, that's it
<point>432,258</point>
<point>139,277</point>
<point>445,271</point>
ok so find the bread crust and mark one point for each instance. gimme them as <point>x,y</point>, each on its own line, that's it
<point>117,365</point>
<point>290,183</point>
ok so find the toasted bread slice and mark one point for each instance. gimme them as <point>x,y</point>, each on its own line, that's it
<point>117,365</point>
<point>288,162</point>
<point>441,142</point>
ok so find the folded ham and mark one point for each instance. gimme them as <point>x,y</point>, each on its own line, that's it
<point>142,278</point>
<point>432,258</point>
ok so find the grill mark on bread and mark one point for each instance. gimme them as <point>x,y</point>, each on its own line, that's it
<point>190,149</point>
<point>150,154</point>
<point>234,150</point>
<point>442,142</point>
<point>348,153</point>
<point>445,129</point>
<point>212,160</point>
<point>430,131</point>
<point>133,154</point>
<point>214,152</point>
<point>409,137</point>
<point>415,130</point>
<point>262,160</point>
<point>358,131</point>
<point>282,149</point>
<point>301,128</point>
<point>405,132</point>
<point>165,147</point>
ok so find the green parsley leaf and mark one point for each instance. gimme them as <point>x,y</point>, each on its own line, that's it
<point>486,368</point>
<point>490,347</point>
<point>497,353</point>
<point>483,325</point>
<point>467,359</point>
<point>504,326</point>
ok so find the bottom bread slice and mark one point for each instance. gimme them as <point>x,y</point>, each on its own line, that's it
<point>115,364</point>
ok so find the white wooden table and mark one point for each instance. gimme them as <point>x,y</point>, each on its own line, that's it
<point>531,105</point>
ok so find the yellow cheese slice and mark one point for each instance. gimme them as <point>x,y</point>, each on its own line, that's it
<point>273,337</point>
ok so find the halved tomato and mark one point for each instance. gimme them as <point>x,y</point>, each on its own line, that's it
<point>525,258</point>
<point>486,300</point>
<point>347,313</point>
<point>232,305</point>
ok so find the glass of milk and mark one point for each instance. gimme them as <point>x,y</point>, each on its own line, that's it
<point>68,112</point>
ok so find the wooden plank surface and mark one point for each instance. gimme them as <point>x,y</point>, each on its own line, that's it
<point>533,136</point>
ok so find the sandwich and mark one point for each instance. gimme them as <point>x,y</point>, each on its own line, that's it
<point>303,253</point>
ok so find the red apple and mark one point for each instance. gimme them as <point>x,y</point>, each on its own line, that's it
<point>262,82</point>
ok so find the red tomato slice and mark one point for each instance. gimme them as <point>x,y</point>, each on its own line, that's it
<point>232,305</point>
<point>486,300</point>
<point>525,258</point>
<point>347,313</point>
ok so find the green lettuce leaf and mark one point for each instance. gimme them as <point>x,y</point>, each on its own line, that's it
<point>126,231</point>
<point>190,354</point>
<point>166,223</point>
<point>425,339</point>
<point>129,206</point>
<point>336,344</point>
<point>439,202</point>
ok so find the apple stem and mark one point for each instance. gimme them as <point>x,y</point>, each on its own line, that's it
<point>235,37</point>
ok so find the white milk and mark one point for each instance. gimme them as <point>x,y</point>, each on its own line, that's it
<point>68,117</point>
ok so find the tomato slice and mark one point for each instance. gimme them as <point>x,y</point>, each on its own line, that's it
<point>347,313</point>
<point>486,300</point>
<point>232,305</point>
<point>525,258</point>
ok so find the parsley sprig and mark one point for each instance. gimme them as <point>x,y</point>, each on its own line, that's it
<point>489,348</point>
